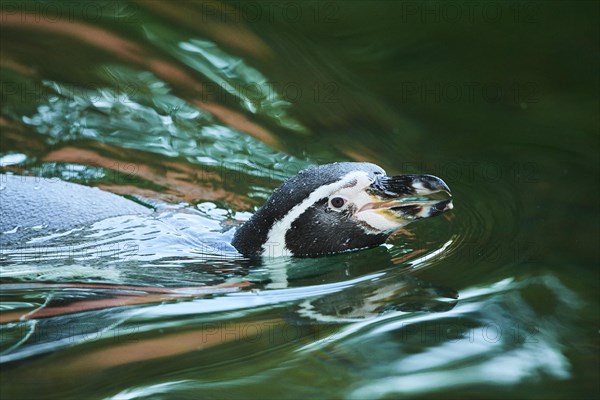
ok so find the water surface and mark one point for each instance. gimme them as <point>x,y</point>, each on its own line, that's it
<point>202,109</point>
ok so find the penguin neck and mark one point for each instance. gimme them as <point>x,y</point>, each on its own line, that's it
<point>250,238</point>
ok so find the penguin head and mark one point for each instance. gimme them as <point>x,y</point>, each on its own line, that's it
<point>338,207</point>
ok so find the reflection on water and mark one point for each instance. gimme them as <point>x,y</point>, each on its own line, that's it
<point>488,331</point>
<point>142,115</point>
<point>478,349</point>
<point>200,112</point>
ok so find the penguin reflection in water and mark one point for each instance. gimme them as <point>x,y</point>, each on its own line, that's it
<point>328,209</point>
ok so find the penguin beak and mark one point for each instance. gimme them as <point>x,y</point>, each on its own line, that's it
<point>404,198</point>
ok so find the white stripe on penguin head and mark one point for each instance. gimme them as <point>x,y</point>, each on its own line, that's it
<point>275,245</point>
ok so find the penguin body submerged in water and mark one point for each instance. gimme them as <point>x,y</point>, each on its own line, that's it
<point>327,209</point>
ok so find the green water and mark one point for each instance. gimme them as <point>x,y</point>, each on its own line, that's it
<point>202,109</point>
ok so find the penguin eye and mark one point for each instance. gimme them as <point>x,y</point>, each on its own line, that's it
<point>338,202</point>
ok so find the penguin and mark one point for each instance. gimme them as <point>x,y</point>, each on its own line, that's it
<point>336,208</point>
<point>325,209</point>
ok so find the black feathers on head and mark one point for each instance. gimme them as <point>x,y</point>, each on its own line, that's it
<point>250,237</point>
